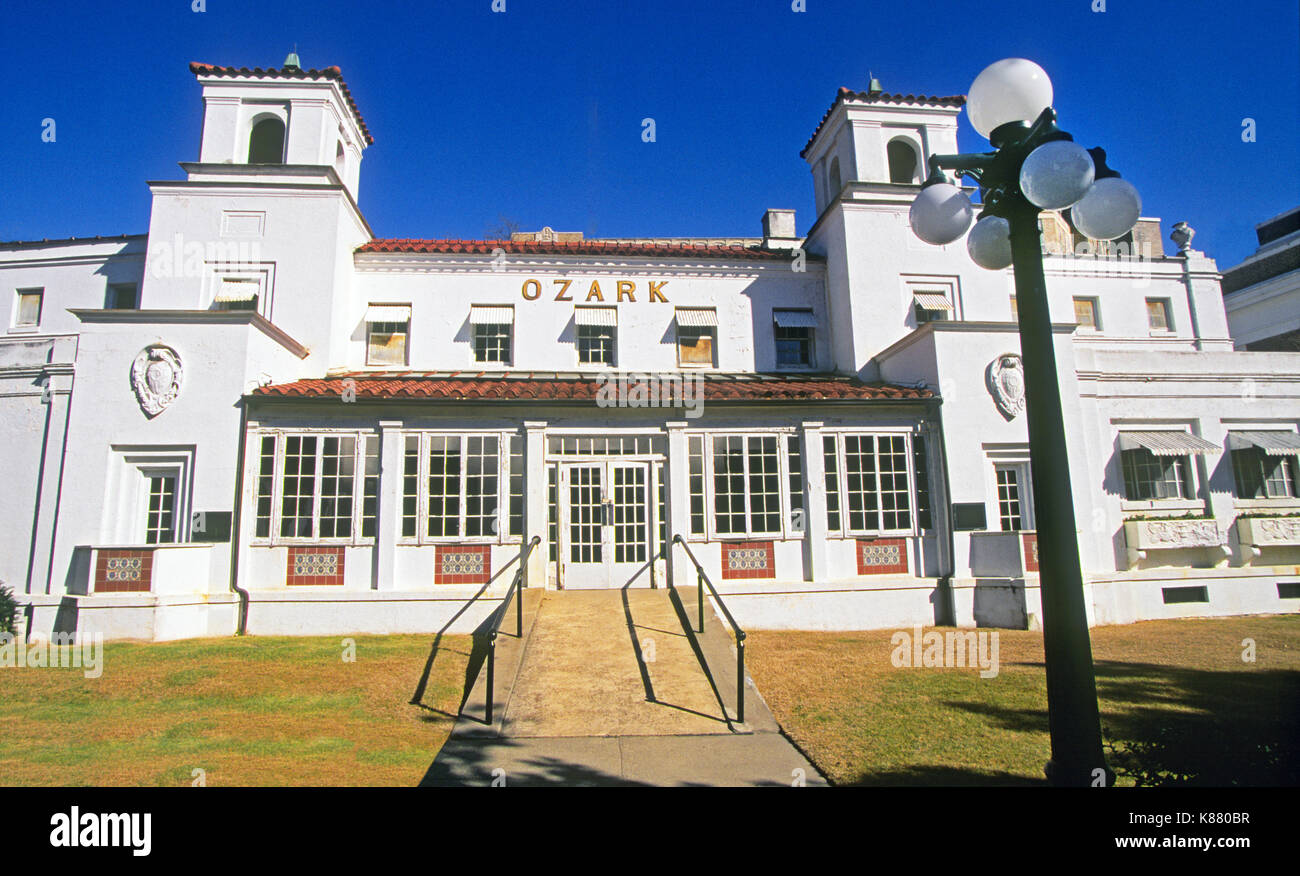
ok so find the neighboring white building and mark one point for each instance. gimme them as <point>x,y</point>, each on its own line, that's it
<point>260,417</point>
<point>1262,294</point>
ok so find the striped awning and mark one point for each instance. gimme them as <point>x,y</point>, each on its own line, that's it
<point>481,314</point>
<point>388,313</point>
<point>602,316</point>
<point>697,317</point>
<point>237,292</point>
<point>794,318</point>
<point>1166,443</point>
<point>1272,443</point>
<point>932,301</point>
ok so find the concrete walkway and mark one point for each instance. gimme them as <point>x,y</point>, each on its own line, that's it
<point>606,688</point>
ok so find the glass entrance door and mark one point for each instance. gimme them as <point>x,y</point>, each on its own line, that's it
<point>604,524</point>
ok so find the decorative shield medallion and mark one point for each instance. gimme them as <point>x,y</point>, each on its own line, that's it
<point>1006,382</point>
<point>156,378</point>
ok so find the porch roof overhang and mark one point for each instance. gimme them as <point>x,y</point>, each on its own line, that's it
<point>534,386</point>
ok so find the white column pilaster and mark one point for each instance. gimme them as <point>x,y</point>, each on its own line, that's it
<point>388,526</point>
<point>535,500</point>
<point>814,503</point>
<point>677,475</point>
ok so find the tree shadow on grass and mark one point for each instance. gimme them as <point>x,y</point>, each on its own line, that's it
<point>1162,725</point>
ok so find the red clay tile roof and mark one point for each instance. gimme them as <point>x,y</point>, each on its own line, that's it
<point>575,247</point>
<point>200,69</point>
<point>553,386</point>
<point>847,94</point>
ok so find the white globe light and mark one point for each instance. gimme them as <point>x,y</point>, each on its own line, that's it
<point>941,213</point>
<point>1109,209</point>
<point>1010,90</point>
<point>1056,174</point>
<point>989,243</point>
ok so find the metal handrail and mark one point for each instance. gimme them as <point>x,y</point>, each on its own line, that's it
<point>703,581</point>
<point>515,589</point>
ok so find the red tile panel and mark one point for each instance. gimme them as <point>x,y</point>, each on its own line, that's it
<point>310,566</point>
<point>123,571</point>
<point>529,386</point>
<point>748,559</point>
<point>1031,551</point>
<point>462,564</point>
<point>882,556</point>
<point>199,69</point>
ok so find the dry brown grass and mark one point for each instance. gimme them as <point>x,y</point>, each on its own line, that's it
<point>863,721</point>
<point>250,711</point>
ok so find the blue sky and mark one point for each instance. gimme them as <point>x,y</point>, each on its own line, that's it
<point>535,114</point>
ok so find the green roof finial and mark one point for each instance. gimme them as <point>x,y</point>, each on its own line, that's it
<point>292,59</point>
<point>874,87</point>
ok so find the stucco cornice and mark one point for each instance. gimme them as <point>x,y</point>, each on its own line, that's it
<point>194,317</point>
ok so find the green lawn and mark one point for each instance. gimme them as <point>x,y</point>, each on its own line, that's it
<point>247,711</point>
<point>1180,685</point>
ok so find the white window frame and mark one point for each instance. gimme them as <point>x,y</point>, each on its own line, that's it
<point>1024,494</point>
<point>406,345</point>
<point>1168,305</point>
<point>126,500</point>
<point>508,362</point>
<point>14,324</point>
<point>422,536</point>
<point>842,482</point>
<point>811,364</point>
<point>787,529</point>
<point>261,273</point>
<point>281,437</point>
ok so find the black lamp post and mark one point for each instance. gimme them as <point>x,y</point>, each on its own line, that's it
<point>1037,166</point>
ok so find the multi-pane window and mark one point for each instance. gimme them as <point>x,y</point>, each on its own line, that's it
<point>931,306</point>
<point>1147,476</point>
<point>307,486</point>
<point>794,471</point>
<point>121,296</point>
<point>695,460</point>
<point>697,335</point>
<point>1085,313</point>
<point>492,330</point>
<point>596,335</point>
<point>1259,475</point>
<point>746,485</point>
<point>871,481</point>
<point>831,461</point>
<point>516,526</point>
<point>29,307</point>
<point>160,520</point>
<point>793,335</point>
<point>920,465</point>
<point>1158,315</point>
<point>452,487</point>
<point>387,329</point>
<point>1010,518</point>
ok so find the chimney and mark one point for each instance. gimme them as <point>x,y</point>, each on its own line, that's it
<point>778,230</point>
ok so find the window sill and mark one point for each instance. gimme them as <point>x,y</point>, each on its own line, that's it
<point>1162,505</point>
<point>1282,504</point>
<point>24,329</point>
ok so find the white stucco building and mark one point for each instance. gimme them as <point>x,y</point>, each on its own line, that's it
<point>258,416</point>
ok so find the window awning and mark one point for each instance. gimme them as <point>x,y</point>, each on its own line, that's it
<point>388,313</point>
<point>932,301</point>
<point>237,291</point>
<point>1166,443</point>
<point>603,316</point>
<point>480,314</point>
<point>1272,443</point>
<point>697,317</point>
<point>794,318</point>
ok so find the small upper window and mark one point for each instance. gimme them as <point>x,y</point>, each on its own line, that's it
<point>29,307</point>
<point>1085,314</point>
<point>931,306</point>
<point>902,162</point>
<point>493,327</point>
<point>121,296</point>
<point>697,334</point>
<point>597,335</point>
<point>266,142</point>
<point>237,294</point>
<point>1158,315</point>
<point>387,329</point>
<point>793,333</point>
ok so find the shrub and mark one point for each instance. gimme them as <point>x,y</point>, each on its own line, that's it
<point>1191,757</point>
<point>8,610</point>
